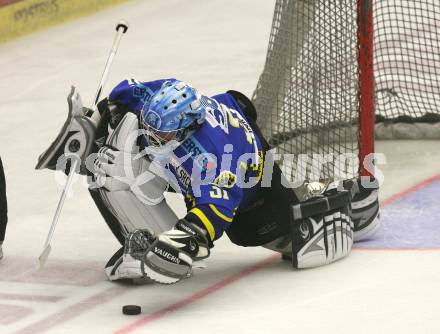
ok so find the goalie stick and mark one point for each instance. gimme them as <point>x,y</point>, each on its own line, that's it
<point>121,28</point>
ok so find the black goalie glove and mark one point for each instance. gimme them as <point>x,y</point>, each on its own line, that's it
<point>322,229</point>
<point>170,257</point>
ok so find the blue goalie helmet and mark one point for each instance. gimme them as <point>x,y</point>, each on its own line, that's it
<point>172,113</point>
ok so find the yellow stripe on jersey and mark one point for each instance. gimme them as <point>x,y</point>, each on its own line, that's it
<point>218,213</point>
<point>209,227</point>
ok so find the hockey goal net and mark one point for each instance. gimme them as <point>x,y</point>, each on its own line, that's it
<point>327,78</point>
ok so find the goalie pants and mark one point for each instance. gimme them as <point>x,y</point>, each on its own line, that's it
<point>267,218</point>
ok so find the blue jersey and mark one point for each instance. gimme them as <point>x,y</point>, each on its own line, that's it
<point>218,167</point>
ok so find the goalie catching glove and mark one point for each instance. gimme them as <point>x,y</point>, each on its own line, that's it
<point>169,257</point>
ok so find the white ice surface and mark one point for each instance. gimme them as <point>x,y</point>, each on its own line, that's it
<point>215,45</point>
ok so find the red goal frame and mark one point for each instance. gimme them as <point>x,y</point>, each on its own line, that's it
<point>366,82</point>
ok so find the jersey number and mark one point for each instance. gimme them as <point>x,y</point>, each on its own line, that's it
<point>217,192</point>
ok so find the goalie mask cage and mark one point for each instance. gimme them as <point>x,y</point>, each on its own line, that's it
<point>324,69</point>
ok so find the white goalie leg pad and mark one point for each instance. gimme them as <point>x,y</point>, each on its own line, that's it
<point>140,203</point>
<point>321,230</point>
<point>323,241</point>
<point>133,214</point>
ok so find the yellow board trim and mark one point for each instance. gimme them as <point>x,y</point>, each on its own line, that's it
<point>26,16</point>
<point>218,213</point>
<point>209,227</point>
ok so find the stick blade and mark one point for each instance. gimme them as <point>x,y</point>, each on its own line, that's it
<point>44,255</point>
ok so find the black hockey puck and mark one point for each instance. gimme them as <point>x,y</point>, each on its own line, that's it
<point>131,309</point>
